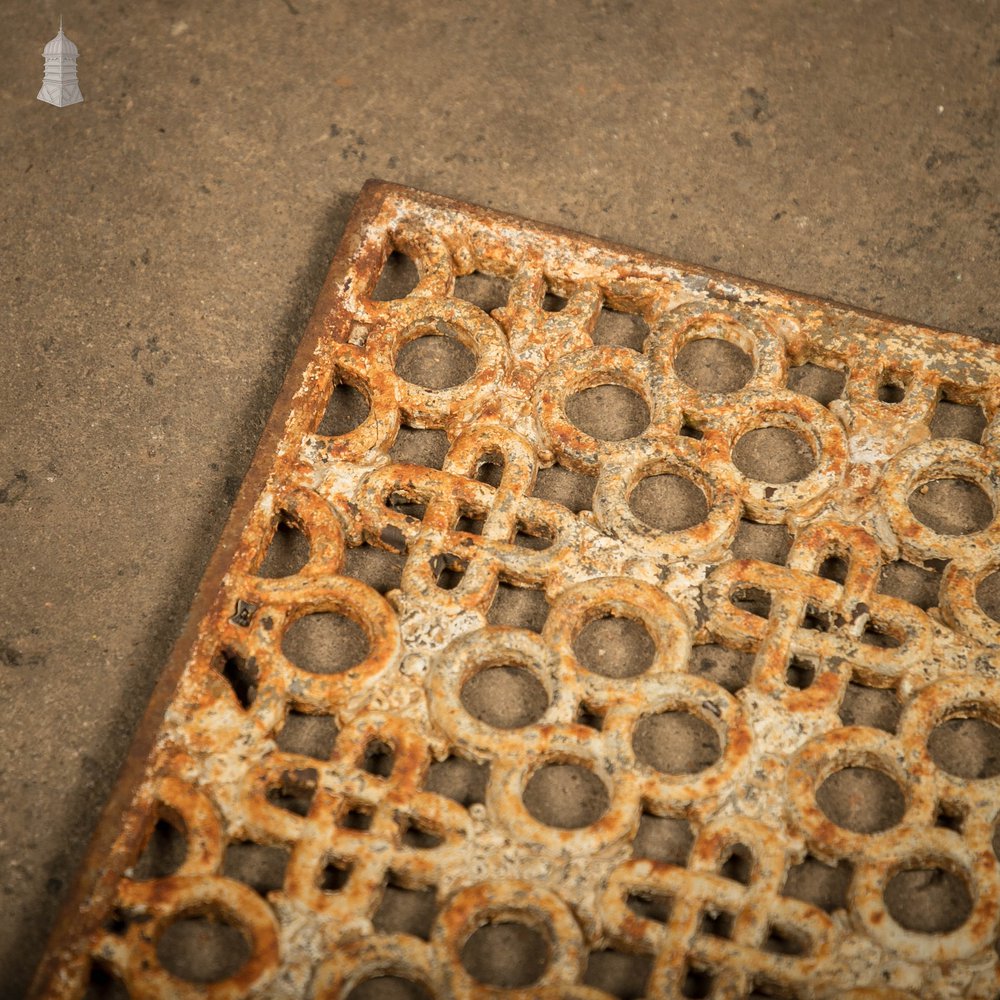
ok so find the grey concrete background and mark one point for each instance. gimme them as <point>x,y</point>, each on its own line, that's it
<point>162,243</point>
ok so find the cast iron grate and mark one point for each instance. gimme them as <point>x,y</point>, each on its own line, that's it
<point>589,625</point>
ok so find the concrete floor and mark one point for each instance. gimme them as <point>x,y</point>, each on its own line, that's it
<point>162,243</point>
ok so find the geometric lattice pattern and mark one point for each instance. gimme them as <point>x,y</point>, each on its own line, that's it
<point>387,878</point>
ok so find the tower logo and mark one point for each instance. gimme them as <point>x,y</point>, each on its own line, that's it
<point>60,86</point>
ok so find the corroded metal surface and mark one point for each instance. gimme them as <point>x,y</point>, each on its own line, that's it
<point>213,761</point>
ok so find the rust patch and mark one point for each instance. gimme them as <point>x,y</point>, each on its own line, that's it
<point>222,760</point>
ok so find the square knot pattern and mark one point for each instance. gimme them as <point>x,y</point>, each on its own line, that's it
<point>588,626</point>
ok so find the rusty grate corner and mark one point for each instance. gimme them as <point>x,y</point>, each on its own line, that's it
<point>589,625</point>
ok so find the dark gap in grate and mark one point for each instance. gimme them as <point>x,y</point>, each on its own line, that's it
<point>418,446</point>
<point>398,278</point>
<point>690,430</point>
<point>288,551</point>
<point>834,568</point>
<point>381,569</point>
<point>773,455</point>
<point>816,619</point>
<point>483,290</point>
<point>405,910</point>
<point>618,973</point>
<point>988,595</point>
<point>891,389</point>
<point>435,360</point>
<point>551,302</point>
<point>958,420</point>
<point>295,793</point>
<point>241,675</point>
<point>729,668</point>
<point>717,924</point>
<point>911,583</point>
<point>615,646</point>
<point>949,817</point>
<point>490,470</point>
<point>784,940</point>
<point>737,864</point>
<point>966,746</point>
<point>697,982</point>
<point>419,836</point>
<point>663,838</point>
<point>591,719</point>
<point>868,706</point>
<point>358,817</point>
<point>347,409</point>
<point>861,799</point>
<point>333,875</point>
<point>325,642</point>
<point>573,490</point>
<point>506,697</point>
<point>471,523</point>
<point>203,948</point>
<point>449,571</point>
<point>117,921</point>
<point>401,504</point>
<point>875,634</point>
<point>763,989</point>
<point>768,542</point>
<point>650,905</point>
<point>506,953</point>
<point>801,673</point>
<point>711,364</point>
<point>608,412</point>
<point>459,779</point>
<point>819,884</point>
<point>519,607</point>
<point>951,506</point>
<point>259,866</point>
<point>537,537</point>
<point>309,735</point>
<point>388,988</point>
<point>928,900</point>
<point>163,854</point>
<point>817,381</point>
<point>668,502</point>
<point>752,600</point>
<point>617,329</point>
<point>566,796</point>
<point>104,985</point>
<point>676,742</point>
<point>378,758</point>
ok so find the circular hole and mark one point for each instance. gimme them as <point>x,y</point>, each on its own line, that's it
<point>928,900</point>
<point>608,412</point>
<point>966,747</point>
<point>773,455</point>
<point>951,506</point>
<point>988,595</point>
<point>435,361</point>
<point>388,988</point>
<point>325,643</point>
<point>713,365</point>
<point>346,410</point>
<point>505,697</point>
<point>506,954</point>
<point>861,799</point>
<point>566,795</point>
<point>203,949</point>
<point>676,743</point>
<point>668,502</point>
<point>614,647</point>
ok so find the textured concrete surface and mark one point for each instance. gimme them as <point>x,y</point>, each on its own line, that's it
<point>161,245</point>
